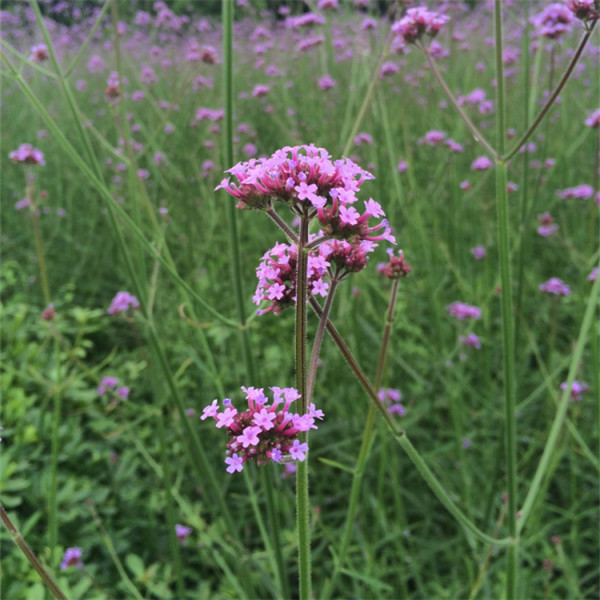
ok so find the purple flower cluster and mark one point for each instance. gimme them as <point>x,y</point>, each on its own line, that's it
<point>471,340</point>
<point>391,398</point>
<point>416,23</point>
<point>460,310</point>
<point>553,21</point>
<point>263,432</point>
<point>71,558</point>
<point>583,192</point>
<point>305,178</point>
<point>578,388</point>
<point>182,532</point>
<point>555,286</point>
<point>122,302</point>
<point>547,226</point>
<point>28,155</point>
<point>110,383</point>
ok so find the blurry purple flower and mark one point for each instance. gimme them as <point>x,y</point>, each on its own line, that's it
<point>122,392</point>
<point>585,10</point>
<point>465,185</point>
<point>121,302</point>
<point>71,558</point>
<point>475,97</point>
<point>402,166</point>
<point>39,53</point>
<point>577,389</point>
<point>481,164</point>
<point>108,383</point>
<point>27,154</point>
<point>388,69</point>
<point>250,150</point>
<point>260,90</point>
<point>417,22</point>
<point>363,138</point>
<point>143,173</point>
<point>555,286</point>
<point>434,138</point>
<point>593,275</point>
<point>454,146</point>
<point>466,443</point>
<point>553,21</point>
<point>182,532</point>
<point>80,84</point>
<point>583,191</point>
<point>460,310</point>
<point>478,252</point>
<point>470,340</point>
<point>21,204</point>
<point>326,82</point>
<point>594,119</point>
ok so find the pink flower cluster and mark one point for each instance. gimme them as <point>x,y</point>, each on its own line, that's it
<point>582,192</point>
<point>27,154</point>
<point>391,398</point>
<point>277,270</point>
<point>460,310</point>
<point>418,22</point>
<point>121,302</point>
<point>553,21</point>
<point>555,286</point>
<point>586,10</point>
<point>263,432</point>
<point>305,178</point>
<point>578,388</point>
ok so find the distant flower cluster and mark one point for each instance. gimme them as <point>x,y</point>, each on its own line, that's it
<point>391,398</point>
<point>28,155</point>
<point>72,558</point>
<point>555,286</point>
<point>554,21</point>
<point>263,432</point>
<point>122,302</point>
<point>417,23</point>
<point>460,310</point>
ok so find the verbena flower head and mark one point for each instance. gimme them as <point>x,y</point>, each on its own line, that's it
<point>471,340</point>
<point>39,53</point>
<point>547,226</point>
<point>418,22</point>
<point>577,389</point>
<point>478,252</point>
<point>263,432</point>
<point>71,558</point>
<point>122,302</point>
<point>582,191</point>
<point>460,310</point>
<point>553,21</point>
<point>28,155</point>
<point>277,271</point>
<point>396,267</point>
<point>585,10</point>
<point>555,286</point>
<point>182,532</point>
<point>391,398</point>
<point>483,163</point>
<point>594,119</point>
<point>311,184</point>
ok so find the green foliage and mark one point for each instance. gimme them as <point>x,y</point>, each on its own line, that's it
<point>126,470</point>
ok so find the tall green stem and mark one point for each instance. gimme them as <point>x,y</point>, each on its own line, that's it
<point>506,299</point>
<point>302,499</point>
<point>365,447</point>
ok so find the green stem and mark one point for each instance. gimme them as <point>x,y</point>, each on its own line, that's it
<point>463,115</point>
<point>30,556</point>
<point>314,357</point>
<point>113,553</point>
<point>402,439</point>
<point>555,93</point>
<point>367,99</point>
<point>302,498</point>
<point>365,448</point>
<point>506,300</point>
<point>555,431</point>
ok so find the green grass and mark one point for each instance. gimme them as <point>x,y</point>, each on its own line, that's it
<point>128,471</point>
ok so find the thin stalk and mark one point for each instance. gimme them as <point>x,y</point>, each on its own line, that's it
<point>234,246</point>
<point>166,480</point>
<point>302,498</point>
<point>33,560</point>
<point>365,448</point>
<point>463,115</point>
<point>314,357</point>
<point>113,553</point>
<point>368,97</point>
<point>290,234</point>
<point>403,440</point>
<point>506,301</point>
<point>559,86</point>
